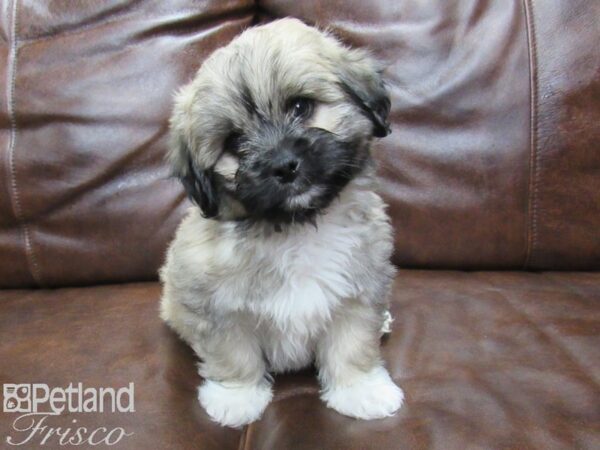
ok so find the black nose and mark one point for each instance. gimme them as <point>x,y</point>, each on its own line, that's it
<point>285,169</point>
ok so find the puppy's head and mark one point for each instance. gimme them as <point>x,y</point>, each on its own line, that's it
<point>276,124</point>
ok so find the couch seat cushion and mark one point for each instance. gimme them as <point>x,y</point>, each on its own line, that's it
<point>486,359</point>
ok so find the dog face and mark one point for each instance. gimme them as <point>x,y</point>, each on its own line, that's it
<point>275,124</point>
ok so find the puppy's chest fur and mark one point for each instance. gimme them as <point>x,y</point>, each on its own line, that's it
<point>287,285</point>
<point>301,277</point>
<point>291,283</point>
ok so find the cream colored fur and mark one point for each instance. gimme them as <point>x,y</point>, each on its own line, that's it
<point>253,299</point>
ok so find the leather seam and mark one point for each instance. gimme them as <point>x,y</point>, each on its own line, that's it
<point>14,190</point>
<point>532,206</point>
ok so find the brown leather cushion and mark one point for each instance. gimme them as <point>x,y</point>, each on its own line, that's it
<point>85,195</point>
<point>487,360</point>
<point>493,159</point>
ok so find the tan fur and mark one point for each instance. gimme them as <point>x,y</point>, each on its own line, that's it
<point>253,300</point>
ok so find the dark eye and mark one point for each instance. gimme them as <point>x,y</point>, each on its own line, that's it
<point>301,107</point>
<point>232,142</point>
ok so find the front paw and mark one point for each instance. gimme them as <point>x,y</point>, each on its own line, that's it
<point>234,405</point>
<point>372,396</point>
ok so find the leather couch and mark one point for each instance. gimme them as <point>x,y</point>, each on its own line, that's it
<point>492,175</point>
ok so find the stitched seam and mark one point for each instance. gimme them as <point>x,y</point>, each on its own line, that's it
<point>532,207</point>
<point>15,199</point>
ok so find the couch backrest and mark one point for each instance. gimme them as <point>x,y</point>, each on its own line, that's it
<point>494,159</point>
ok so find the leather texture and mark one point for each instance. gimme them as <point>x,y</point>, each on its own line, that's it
<point>493,160</point>
<point>85,194</point>
<point>492,163</point>
<point>488,360</point>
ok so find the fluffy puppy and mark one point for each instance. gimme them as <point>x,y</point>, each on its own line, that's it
<point>285,259</point>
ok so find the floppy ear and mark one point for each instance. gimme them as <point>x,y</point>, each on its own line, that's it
<point>361,79</point>
<point>201,188</point>
<point>197,176</point>
<point>199,184</point>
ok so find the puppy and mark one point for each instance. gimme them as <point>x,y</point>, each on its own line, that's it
<point>285,259</point>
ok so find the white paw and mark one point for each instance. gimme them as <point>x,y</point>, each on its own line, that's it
<point>373,396</point>
<point>234,405</point>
